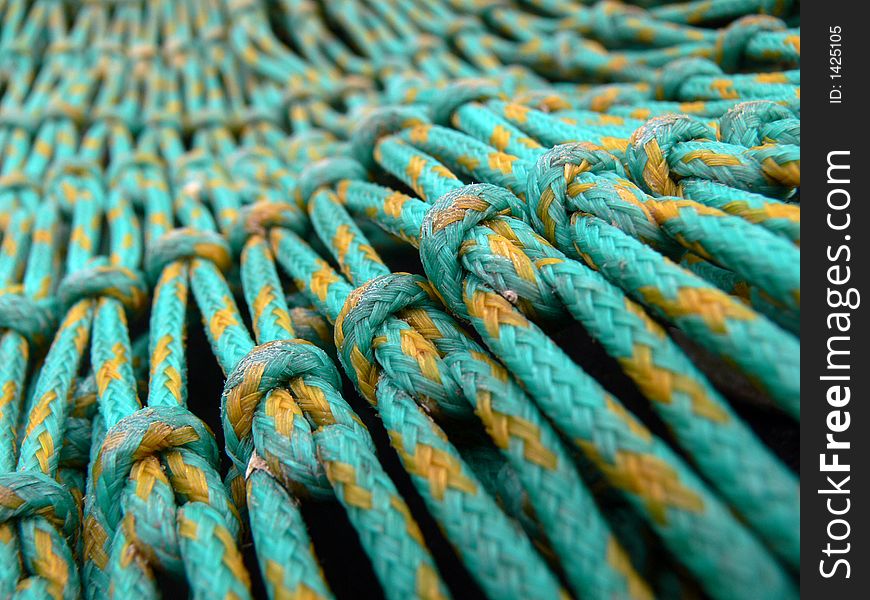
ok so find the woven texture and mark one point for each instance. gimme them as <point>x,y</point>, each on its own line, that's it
<point>355,298</point>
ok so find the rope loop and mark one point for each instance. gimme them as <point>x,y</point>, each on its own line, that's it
<point>759,122</point>
<point>461,92</point>
<point>18,182</point>
<point>260,217</point>
<point>379,123</point>
<point>36,320</point>
<point>732,41</point>
<point>365,310</point>
<point>669,148</point>
<point>73,167</point>
<point>264,375</point>
<point>100,279</point>
<point>139,161</point>
<point>444,228</point>
<point>147,432</point>
<point>28,494</point>
<point>650,145</point>
<point>327,172</point>
<point>185,243</point>
<point>678,72</point>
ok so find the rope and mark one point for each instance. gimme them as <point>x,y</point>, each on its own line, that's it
<point>607,194</point>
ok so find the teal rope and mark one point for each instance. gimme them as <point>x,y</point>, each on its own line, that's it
<point>510,336</point>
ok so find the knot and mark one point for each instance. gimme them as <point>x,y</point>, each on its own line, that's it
<point>27,120</point>
<point>147,432</point>
<point>379,123</point>
<point>443,232</point>
<point>17,182</point>
<point>58,108</point>
<point>73,167</point>
<point>732,40</point>
<point>422,43</point>
<point>251,116</point>
<point>158,119</point>
<point>581,178</point>
<point>123,114</point>
<point>260,165</point>
<point>308,145</point>
<point>300,92</point>
<point>351,84</point>
<point>194,160</point>
<point>327,172</point>
<point>184,243</point>
<point>676,73</point>
<point>265,373</point>
<point>607,21</point>
<point>207,119</point>
<point>759,122</point>
<point>542,100</point>
<point>448,100</point>
<point>365,310</point>
<point>258,218</point>
<point>99,280</point>
<point>27,494</point>
<point>650,144</point>
<point>583,157</point>
<point>669,148</point>
<point>547,186</point>
<point>271,366</point>
<point>140,161</point>
<point>34,320</point>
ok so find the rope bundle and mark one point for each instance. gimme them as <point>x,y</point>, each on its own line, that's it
<point>511,290</point>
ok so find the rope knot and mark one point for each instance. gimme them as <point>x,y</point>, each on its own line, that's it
<point>252,116</point>
<point>365,310</point>
<point>207,119</point>
<point>44,549</point>
<point>35,320</point>
<point>28,494</point>
<point>649,148</point>
<point>732,40</point>
<point>678,72</point>
<point>669,148</point>
<point>444,230</point>
<point>100,279</point>
<point>325,173</point>
<point>607,20</point>
<point>186,243</point>
<point>191,166</point>
<point>581,178</point>
<point>759,122</point>
<point>461,92</point>
<point>147,432</point>
<point>158,119</point>
<point>379,123</point>
<point>75,168</point>
<point>258,218</point>
<point>13,118</point>
<point>141,161</point>
<point>462,24</point>
<point>18,182</point>
<point>542,100</point>
<point>256,397</point>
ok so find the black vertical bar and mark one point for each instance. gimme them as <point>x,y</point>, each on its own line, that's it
<point>835,68</point>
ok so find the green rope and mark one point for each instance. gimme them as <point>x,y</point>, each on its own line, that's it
<point>272,167</point>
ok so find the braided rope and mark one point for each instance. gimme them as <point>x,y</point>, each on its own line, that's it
<point>538,460</point>
<point>159,159</point>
